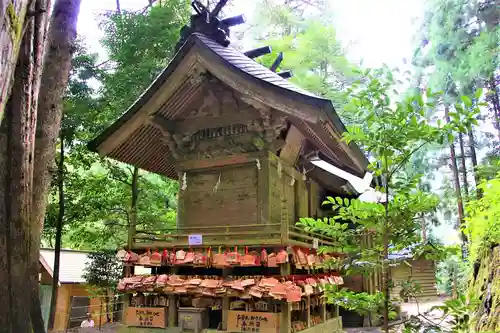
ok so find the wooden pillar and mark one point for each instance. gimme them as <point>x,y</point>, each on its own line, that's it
<point>172,305</point>
<point>322,311</point>
<point>225,301</point>
<point>334,311</point>
<point>263,190</point>
<point>172,310</point>
<point>308,305</point>
<point>225,312</point>
<point>286,308</point>
<point>285,214</point>
<point>127,271</point>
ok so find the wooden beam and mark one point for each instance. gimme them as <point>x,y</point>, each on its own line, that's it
<point>293,146</point>
<point>286,168</point>
<point>328,181</point>
<point>219,234</point>
<point>346,148</point>
<point>229,242</point>
<point>203,227</point>
<point>214,162</point>
<point>195,124</point>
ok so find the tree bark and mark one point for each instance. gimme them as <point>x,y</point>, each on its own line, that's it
<point>473,157</point>
<point>41,19</point>
<point>106,300</point>
<point>19,234</point>
<point>463,165</point>
<point>16,159</point>
<point>423,226</point>
<point>133,207</point>
<point>57,65</point>
<point>385,268</point>
<point>495,102</point>
<point>56,69</point>
<point>456,180</point>
<point>13,15</point>
<point>59,226</point>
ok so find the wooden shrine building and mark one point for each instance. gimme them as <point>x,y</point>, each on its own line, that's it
<point>238,137</point>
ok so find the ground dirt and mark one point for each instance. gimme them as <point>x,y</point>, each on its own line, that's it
<point>410,309</point>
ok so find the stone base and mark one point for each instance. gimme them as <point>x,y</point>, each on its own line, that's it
<point>144,330</point>
<point>333,325</point>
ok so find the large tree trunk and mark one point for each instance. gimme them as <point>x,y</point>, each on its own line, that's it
<point>133,207</point>
<point>19,233</point>
<point>494,102</point>
<point>17,132</point>
<point>59,226</point>
<point>423,227</point>
<point>41,19</point>
<point>456,180</point>
<point>473,157</point>
<point>385,266</point>
<point>463,165</point>
<point>13,15</point>
<point>57,65</point>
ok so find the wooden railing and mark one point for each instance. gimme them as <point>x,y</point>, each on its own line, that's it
<point>274,234</point>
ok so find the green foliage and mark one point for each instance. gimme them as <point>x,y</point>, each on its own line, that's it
<point>461,310</point>
<point>98,192</point>
<point>102,273</point>
<point>344,238</point>
<point>434,251</point>
<point>392,131</point>
<point>489,168</point>
<point>280,18</point>
<point>410,289</point>
<point>456,317</point>
<point>101,214</point>
<point>395,130</point>
<point>139,46</point>
<point>103,270</point>
<point>311,49</point>
<point>362,303</point>
<point>451,270</point>
<point>402,218</point>
<point>460,41</point>
<point>483,220</point>
<point>456,51</point>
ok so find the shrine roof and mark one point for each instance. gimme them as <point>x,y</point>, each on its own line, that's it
<point>311,112</point>
<point>251,67</point>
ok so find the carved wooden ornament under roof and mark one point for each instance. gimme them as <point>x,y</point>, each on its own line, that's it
<point>220,123</point>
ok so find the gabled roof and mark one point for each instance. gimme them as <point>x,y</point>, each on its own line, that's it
<point>71,267</point>
<point>315,116</point>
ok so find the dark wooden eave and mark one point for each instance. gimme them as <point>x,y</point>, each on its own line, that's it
<point>131,139</point>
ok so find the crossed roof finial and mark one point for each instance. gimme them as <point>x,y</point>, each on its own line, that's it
<point>206,21</point>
